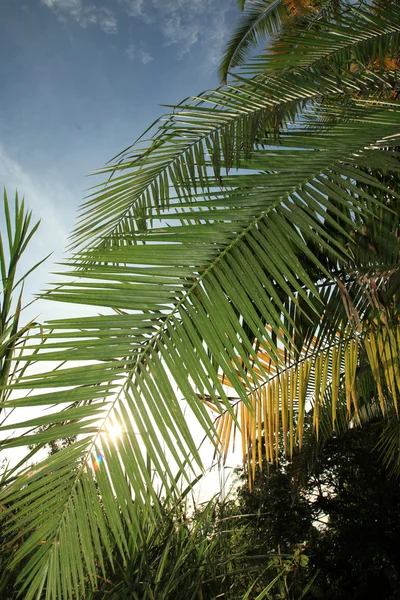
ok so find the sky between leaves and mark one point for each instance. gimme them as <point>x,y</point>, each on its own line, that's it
<point>81,79</point>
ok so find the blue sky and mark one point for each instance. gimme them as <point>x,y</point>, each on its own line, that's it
<point>81,79</point>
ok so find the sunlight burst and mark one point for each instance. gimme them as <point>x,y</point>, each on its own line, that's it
<point>114,432</point>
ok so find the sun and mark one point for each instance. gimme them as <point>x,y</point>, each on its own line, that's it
<point>114,432</point>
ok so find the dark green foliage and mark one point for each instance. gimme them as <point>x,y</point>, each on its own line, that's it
<point>172,318</point>
<point>8,547</point>
<point>276,520</point>
<point>358,551</point>
<point>346,517</point>
<point>196,555</point>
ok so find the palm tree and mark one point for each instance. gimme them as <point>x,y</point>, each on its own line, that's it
<point>263,19</point>
<point>17,236</point>
<point>360,294</point>
<point>197,252</point>
<point>341,352</point>
<point>14,243</point>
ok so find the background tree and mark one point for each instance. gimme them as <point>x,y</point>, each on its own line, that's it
<point>198,554</point>
<point>251,178</point>
<point>345,517</point>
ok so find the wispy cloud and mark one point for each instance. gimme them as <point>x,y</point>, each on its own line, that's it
<point>213,43</point>
<point>135,8</point>
<point>107,20</point>
<point>185,23</point>
<point>134,53</point>
<point>84,14</point>
<point>184,35</point>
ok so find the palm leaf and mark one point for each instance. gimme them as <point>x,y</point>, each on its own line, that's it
<point>326,368</point>
<point>13,246</point>
<point>358,329</point>
<point>276,415</point>
<point>356,42</point>
<point>174,302</point>
<point>220,130</point>
<point>260,19</point>
<point>183,300</point>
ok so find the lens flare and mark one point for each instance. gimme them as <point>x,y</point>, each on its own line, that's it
<point>97,462</point>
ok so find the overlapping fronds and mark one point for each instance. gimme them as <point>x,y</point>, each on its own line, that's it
<point>187,261</point>
<point>357,335</point>
<point>182,294</point>
<point>275,417</point>
<point>329,367</point>
<point>363,36</point>
<point>221,129</point>
<point>262,19</point>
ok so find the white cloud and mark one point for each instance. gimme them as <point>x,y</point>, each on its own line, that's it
<point>184,35</point>
<point>107,21</point>
<point>70,5</point>
<point>213,43</point>
<point>185,23</point>
<point>145,57</point>
<point>84,14</point>
<point>134,8</point>
<point>134,53</point>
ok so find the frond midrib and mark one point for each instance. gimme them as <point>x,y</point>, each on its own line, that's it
<point>245,87</point>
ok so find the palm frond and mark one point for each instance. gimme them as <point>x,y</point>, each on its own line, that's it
<point>187,261</point>
<point>233,251</point>
<point>260,19</point>
<point>215,132</point>
<point>263,19</point>
<point>279,404</point>
<point>13,245</point>
<point>370,38</point>
<point>358,330</point>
